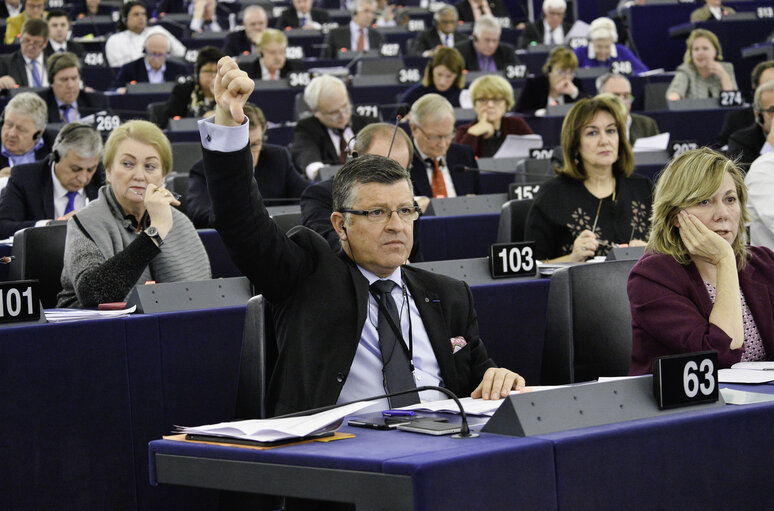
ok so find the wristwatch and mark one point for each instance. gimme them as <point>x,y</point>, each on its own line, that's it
<point>153,232</point>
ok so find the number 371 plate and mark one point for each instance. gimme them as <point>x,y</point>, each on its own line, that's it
<point>512,260</point>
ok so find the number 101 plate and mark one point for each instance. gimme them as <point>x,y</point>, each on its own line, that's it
<point>512,260</point>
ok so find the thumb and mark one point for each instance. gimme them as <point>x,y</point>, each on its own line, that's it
<point>237,113</point>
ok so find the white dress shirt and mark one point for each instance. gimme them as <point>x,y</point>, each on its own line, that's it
<point>555,36</point>
<point>450,191</point>
<point>41,70</point>
<point>126,46</point>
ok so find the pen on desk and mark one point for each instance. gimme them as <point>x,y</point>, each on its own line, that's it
<point>398,413</point>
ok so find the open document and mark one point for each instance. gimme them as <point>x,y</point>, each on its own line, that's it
<point>658,142</point>
<point>748,372</point>
<point>518,146</point>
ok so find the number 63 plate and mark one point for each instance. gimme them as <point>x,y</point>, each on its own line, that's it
<point>687,379</point>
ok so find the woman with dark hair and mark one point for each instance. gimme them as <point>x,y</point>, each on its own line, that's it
<point>443,75</point>
<point>699,287</point>
<point>557,85</point>
<point>194,97</point>
<point>596,202</point>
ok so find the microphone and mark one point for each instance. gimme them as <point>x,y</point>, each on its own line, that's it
<point>402,110</point>
<point>464,428</point>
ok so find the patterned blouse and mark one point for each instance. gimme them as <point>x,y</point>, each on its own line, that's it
<point>753,345</point>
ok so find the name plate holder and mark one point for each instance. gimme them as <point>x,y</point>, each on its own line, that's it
<point>193,295</point>
<point>579,406</point>
<point>20,303</point>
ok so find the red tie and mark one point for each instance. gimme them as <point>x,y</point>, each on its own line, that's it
<point>438,185</point>
<point>361,41</point>
<point>272,75</point>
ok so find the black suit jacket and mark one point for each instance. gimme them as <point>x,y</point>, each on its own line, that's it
<point>14,66</point>
<point>746,145</point>
<point>88,103</point>
<point>254,71</point>
<point>535,94</point>
<point>319,299</point>
<point>503,56</point>
<point>498,8</point>
<point>45,149</point>
<point>341,37</point>
<point>71,46</point>
<point>237,43</point>
<point>135,71</point>
<point>275,174</point>
<point>429,40</point>
<point>289,18</point>
<point>311,142</point>
<point>465,181</point>
<point>735,120</point>
<point>29,196</point>
<point>535,32</point>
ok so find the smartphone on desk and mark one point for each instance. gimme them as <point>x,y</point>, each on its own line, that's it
<point>379,421</point>
<point>430,427</point>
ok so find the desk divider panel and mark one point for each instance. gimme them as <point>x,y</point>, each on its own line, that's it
<point>467,205</point>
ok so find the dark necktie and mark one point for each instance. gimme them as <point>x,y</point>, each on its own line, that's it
<point>65,112</point>
<point>397,370</point>
<point>342,147</point>
<point>70,202</point>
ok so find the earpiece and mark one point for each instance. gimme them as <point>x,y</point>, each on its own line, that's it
<point>759,118</point>
<point>62,137</point>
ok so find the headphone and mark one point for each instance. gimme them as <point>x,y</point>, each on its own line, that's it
<point>62,136</point>
<point>35,136</point>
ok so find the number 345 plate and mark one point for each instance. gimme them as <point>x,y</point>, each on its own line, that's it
<point>512,260</point>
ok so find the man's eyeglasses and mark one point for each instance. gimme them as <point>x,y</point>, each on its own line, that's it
<point>338,114</point>
<point>769,111</point>
<point>383,215</point>
<point>157,55</point>
<point>32,43</point>
<point>437,138</point>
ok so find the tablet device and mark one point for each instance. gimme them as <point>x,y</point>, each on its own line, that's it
<point>430,427</point>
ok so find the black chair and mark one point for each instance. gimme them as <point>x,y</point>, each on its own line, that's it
<point>178,183</point>
<point>287,221</point>
<point>157,114</point>
<point>184,155</point>
<point>588,323</point>
<point>655,96</point>
<point>513,220</point>
<point>39,254</point>
<point>253,366</point>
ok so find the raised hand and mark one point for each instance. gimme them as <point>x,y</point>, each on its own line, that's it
<point>232,88</point>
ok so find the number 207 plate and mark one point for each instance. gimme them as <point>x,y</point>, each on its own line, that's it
<point>512,260</point>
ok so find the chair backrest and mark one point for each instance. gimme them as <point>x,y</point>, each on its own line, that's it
<point>383,66</point>
<point>513,219</point>
<point>588,324</point>
<point>157,113</point>
<point>178,183</point>
<point>254,368</point>
<point>655,96</point>
<point>184,155</point>
<point>300,109</point>
<point>39,254</point>
<point>287,221</point>
<point>534,171</point>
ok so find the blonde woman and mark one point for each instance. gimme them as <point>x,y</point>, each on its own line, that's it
<point>703,74</point>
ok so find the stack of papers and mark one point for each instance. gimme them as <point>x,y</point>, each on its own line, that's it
<point>471,406</point>
<point>64,315</point>
<point>748,372</point>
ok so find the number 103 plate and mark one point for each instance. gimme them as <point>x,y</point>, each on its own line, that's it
<point>512,260</point>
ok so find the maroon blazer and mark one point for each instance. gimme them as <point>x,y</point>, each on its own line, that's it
<point>510,125</point>
<point>671,307</point>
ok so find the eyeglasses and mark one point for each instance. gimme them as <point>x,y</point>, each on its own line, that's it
<point>563,72</point>
<point>340,113</point>
<point>769,111</point>
<point>383,215</point>
<point>624,97</point>
<point>437,138</point>
<point>157,55</point>
<point>32,43</point>
<point>484,101</point>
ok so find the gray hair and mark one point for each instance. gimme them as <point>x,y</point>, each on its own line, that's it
<point>356,4</point>
<point>156,34</point>
<point>430,108</point>
<point>366,168</point>
<point>368,135</point>
<point>486,23</point>
<point>316,87</point>
<point>758,100</point>
<point>446,9</point>
<point>554,4</point>
<point>31,105</point>
<point>603,28</point>
<point>79,137</point>
<point>602,80</point>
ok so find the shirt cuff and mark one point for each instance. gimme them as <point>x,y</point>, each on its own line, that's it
<point>224,139</point>
<point>312,168</point>
<point>767,148</point>
<point>42,223</point>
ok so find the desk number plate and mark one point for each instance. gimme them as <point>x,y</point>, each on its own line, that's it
<point>684,380</point>
<point>19,301</point>
<point>512,260</point>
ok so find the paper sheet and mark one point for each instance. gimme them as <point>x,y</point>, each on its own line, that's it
<point>64,315</point>
<point>758,366</point>
<point>471,406</point>
<point>518,146</point>
<point>742,397</point>
<point>744,376</point>
<point>658,142</point>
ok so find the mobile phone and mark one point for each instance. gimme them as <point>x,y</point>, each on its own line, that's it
<point>378,421</point>
<point>430,427</point>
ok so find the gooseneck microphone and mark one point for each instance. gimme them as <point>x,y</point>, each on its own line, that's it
<point>464,429</point>
<point>402,111</point>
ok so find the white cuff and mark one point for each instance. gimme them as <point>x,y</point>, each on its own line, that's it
<point>42,223</point>
<point>224,139</point>
<point>767,148</point>
<point>312,168</point>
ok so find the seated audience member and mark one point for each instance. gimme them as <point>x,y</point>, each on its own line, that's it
<point>24,137</point>
<point>442,33</point>
<point>131,233</point>
<point>272,63</point>
<point>323,138</point>
<point>698,287</point>
<point>53,187</point>
<point>484,51</point>
<point>596,202</point>
<point>603,50</point>
<point>317,199</point>
<point>275,174</point>
<point>444,75</point>
<point>738,119</point>
<point>471,11</point>
<point>760,186</point>
<point>556,86</point>
<point>64,98</point>
<point>439,167</point>
<point>33,10</point>
<point>245,41</point>
<point>373,200</point>
<point>154,67</point>
<point>193,97</point>
<point>302,15</point>
<point>550,29</point>
<point>745,145</point>
<point>492,97</point>
<point>10,8</point>
<point>358,35</point>
<point>132,28</point>
<point>94,8</point>
<point>203,18</point>
<point>26,67</point>
<point>637,126</point>
<point>702,73</point>
<point>712,10</point>
<point>58,30</point>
